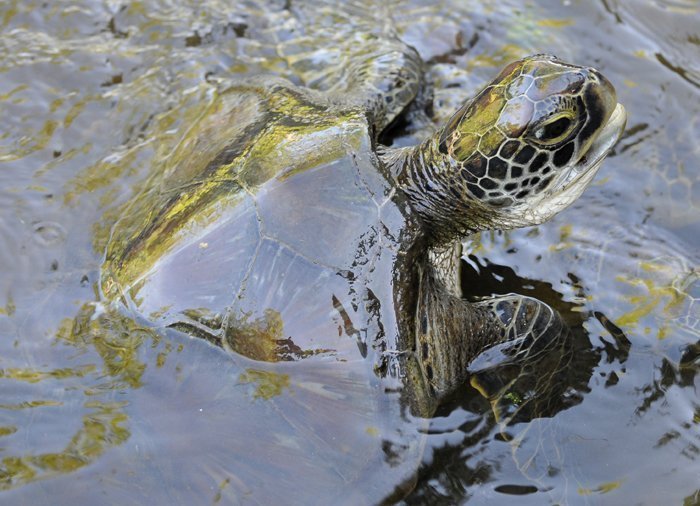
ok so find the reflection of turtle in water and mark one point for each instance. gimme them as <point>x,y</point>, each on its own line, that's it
<point>278,229</point>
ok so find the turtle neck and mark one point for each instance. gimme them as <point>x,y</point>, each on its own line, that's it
<point>431,181</point>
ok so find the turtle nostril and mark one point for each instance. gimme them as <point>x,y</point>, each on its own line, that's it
<point>593,74</point>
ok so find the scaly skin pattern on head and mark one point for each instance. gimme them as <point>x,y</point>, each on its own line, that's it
<point>512,156</point>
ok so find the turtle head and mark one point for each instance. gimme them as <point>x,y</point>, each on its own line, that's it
<point>531,141</point>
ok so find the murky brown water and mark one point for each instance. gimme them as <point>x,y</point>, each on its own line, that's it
<point>92,93</point>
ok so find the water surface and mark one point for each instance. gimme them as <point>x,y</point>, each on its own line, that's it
<point>92,93</point>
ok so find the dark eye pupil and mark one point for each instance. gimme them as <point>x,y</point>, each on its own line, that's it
<point>554,129</point>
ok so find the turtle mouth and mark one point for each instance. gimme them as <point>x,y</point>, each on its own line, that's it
<point>589,163</point>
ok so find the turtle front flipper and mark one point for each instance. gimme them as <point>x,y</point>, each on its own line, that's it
<point>456,339</point>
<point>519,326</point>
<point>522,375</point>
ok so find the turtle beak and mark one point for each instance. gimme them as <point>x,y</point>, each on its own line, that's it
<point>605,90</point>
<point>601,101</point>
<point>607,138</point>
<point>592,159</point>
<point>579,175</point>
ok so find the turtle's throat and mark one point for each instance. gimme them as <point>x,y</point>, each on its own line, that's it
<point>427,177</point>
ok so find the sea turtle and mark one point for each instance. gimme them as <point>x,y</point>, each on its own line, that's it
<point>280,230</point>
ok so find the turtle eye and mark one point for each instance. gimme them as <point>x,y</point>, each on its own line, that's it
<point>554,131</point>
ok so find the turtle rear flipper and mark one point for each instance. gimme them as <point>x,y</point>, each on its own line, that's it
<point>383,80</point>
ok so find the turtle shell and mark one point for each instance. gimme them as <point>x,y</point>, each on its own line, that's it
<point>272,233</point>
